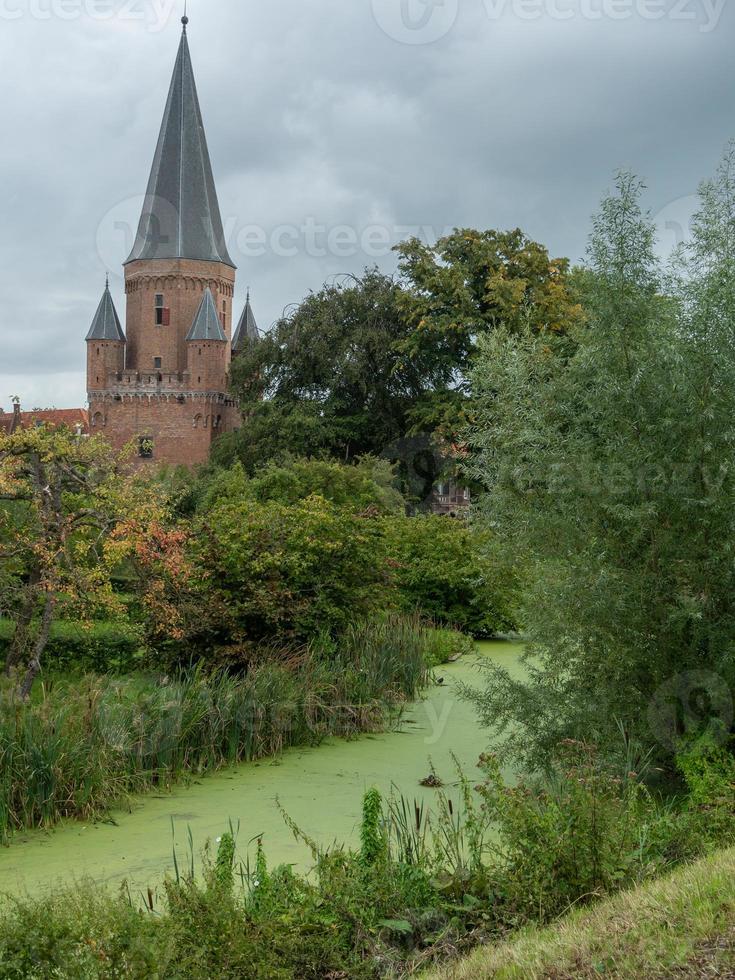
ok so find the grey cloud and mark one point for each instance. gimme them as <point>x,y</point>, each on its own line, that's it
<point>316,117</point>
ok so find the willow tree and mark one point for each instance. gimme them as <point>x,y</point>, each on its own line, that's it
<point>608,458</point>
<point>70,512</point>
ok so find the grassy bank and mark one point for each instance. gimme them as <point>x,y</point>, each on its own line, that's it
<point>83,745</point>
<point>386,910</point>
<point>680,926</point>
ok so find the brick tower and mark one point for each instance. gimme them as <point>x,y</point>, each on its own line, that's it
<point>163,383</point>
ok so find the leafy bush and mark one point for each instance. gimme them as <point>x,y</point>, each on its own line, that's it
<point>577,834</point>
<point>446,569</point>
<point>272,571</point>
<point>606,456</point>
<point>446,645</point>
<point>104,647</point>
<point>363,486</point>
<point>709,773</point>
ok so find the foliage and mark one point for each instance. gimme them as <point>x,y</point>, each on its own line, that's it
<point>365,486</point>
<point>446,645</point>
<point>678,926</point>
<point>306,549</point>
<point>420,887</point>
<point>97,647</point>
<point>580,833</point>
<point>709,774</point>
<point>330,376</point>
<point>605,453</point>
<point>75,515</point>
<point>268,571</point>
<point>366,364</point>
<point>450,571</point>
<point>467,285</point>
<point>84,745</point>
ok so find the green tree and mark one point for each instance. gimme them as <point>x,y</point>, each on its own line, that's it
<point>449,571</point>
<point>327,378</point>
<point>72,513</point>
<point>468,284</point>
<point>366,486</point>
<point>607,457</point>
<point>276,572</point>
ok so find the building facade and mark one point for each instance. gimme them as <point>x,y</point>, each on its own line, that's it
<point>162,383</point>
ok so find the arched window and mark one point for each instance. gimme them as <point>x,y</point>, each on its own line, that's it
<point>98,420</point>
<point>197,421</point>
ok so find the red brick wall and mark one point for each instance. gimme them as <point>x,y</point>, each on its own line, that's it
<point>207,364</point>
<point>184,405</point>
<point>104,357</point>
<point>181,282</point>
<point>181,432</point>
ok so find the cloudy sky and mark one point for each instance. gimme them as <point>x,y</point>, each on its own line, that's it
<point>336,128</point>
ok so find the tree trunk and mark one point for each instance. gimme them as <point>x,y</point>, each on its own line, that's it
<point>22,633</point>
<point>41,640</point>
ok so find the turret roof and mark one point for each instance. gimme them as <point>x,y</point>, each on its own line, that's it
<point>207,324</point>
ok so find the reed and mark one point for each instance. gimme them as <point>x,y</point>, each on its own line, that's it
<point>87,744</point>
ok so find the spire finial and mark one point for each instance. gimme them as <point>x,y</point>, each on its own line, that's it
<point>247,298</point>
<point>185,19</point>
<point>107,280</point>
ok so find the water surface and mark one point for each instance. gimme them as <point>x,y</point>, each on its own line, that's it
<point>320,787</point>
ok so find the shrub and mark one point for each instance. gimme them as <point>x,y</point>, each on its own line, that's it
<point>709,774</point>
<point>419,887</point>
<point>446,645</point>
<point>606,457</point>
<point>444,568</point>
<point>103,647</point>
<point>362,486</point>
<point>271,571</point>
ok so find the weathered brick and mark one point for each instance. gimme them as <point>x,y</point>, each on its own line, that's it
<point>181,406</point>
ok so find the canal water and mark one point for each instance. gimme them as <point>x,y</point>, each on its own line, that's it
<point>319,787</point>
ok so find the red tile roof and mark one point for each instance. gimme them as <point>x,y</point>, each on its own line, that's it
<point>70,417</point>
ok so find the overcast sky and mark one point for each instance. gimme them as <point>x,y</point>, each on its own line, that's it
<point>336,128</point>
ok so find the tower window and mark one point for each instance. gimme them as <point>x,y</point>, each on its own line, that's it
<point>145,447</point>
<point>157,363</point>
<point>163,313</point>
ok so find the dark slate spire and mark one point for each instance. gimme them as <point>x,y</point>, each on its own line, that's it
<point>247,328</point>
<point>206,325</point>
<point>106,323</point>
<point>181,216</point>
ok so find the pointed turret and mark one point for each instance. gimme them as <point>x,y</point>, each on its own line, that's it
<point>106,323</point>
<point>247,329</point>
<point>207,324</point>
<point>181,217</point>
<point>105,344</point>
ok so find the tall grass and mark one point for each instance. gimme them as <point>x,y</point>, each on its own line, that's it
<point>85,745</point>
<point>423,885</point>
